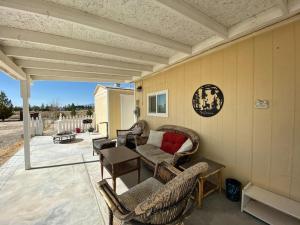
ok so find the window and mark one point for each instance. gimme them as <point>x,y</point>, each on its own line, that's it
<point>152,104</point>
<point>157,103</point>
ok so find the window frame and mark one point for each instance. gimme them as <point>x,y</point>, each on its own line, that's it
<point>167,103</point>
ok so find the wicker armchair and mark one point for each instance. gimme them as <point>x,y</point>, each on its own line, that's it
<point>166,198</point>
<point>127,137</point>
<point>176,159</point>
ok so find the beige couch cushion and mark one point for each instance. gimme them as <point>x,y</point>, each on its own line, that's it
<point>154,154</point>
<point>155,138</point>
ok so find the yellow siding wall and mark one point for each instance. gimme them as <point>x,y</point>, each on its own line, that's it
<point>114,97</point>
<point>261,145</point>
<point>101,113</point>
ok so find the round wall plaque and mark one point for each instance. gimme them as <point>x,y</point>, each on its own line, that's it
<point>208,100</point>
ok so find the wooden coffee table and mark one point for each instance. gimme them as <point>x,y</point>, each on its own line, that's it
<point>119,161</point>
<point>210,181</point>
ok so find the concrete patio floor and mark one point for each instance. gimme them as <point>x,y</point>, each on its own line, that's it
<point>60,189</point>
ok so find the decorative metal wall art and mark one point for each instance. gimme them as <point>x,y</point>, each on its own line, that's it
<point>208,100</point>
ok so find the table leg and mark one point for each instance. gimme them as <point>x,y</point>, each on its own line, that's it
<point>101,165</point>
<point>113,178</point>
<point>139,170</point>
<point>201,192</point>
<point>111,217</point>
<point>114,183</point>
<point>220,180</point>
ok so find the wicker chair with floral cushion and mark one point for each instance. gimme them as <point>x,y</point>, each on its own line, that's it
<point>166,198</point>
<point>127,137</point>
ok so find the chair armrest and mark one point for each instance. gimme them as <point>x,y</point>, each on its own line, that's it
<point>101,138</point>
<point>122,132</point>
<point>183,155</point>
<point>112,201</point>
<point>140,140</point>
<point>165,172</point>
<point>98,139</point>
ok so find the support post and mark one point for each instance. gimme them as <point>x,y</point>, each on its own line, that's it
<point>25,94</point>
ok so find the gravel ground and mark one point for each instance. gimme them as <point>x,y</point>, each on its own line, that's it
<point>10,139</point>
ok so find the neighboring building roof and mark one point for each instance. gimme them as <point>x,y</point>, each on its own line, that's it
<point>111,88</point>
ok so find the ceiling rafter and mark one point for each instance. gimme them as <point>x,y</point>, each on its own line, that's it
<point>8,66</point>
<point>80,79</point>
<point>55,73</point>
<point>283,4</point>
<point>73,67</point>
<point>18,52</point>
<point>10,33</point>
<point>258,21</point>
<point>195,15</point>
<point>97,22</point>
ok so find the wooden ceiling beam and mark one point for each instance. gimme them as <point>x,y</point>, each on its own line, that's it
<point>9,67</point>
<point>80,17</point>
<point>18,52</point>
<point>56,73</point>
<point>75,79</point>
<point>283,5</point>
<point>195,15</point>
<point>10,33</point>
<point>73,67</point>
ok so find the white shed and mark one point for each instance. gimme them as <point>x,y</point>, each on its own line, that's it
<point>115,106</point>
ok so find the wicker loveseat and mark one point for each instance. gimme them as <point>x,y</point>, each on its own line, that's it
<point>152,155</point>
<point>166,198</point>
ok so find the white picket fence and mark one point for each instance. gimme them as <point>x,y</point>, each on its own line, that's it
<point>36,126</point>
<point>69,124</point>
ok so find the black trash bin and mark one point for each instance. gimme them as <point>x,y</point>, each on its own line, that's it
<point>233,189</point>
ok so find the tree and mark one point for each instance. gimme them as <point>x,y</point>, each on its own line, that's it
<point>73,109</point>
<point>43,107</point>
<point>6,107</point>
<point>89,112</point>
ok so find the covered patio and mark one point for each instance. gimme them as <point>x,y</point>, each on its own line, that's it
<point>61,189</point>
<point>170,50</point>
<point>120,41</point>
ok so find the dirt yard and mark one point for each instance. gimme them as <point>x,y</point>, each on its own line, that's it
<point>11,132</point>
<point>10,139</point>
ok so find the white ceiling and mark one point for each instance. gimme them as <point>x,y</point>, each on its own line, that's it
<point>139,36</point>
<point>231,12</point>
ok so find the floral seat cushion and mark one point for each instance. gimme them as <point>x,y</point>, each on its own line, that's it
<point>138,193</point>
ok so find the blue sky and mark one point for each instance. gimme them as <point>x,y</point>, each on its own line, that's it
<point>49,91</point>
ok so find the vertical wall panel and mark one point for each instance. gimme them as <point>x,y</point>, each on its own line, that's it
<point>192,82</point>
<point>295,183</point>
<point>179,101</point>
<point>229,111</point>
<point>206,122</point>
<point>244,109</point>
<point>283,108</point>
<point>171,80</point>
<point>262,118</point>
<point>217,122</point>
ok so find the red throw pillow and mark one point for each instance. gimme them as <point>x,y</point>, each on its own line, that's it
<point>172,142</point>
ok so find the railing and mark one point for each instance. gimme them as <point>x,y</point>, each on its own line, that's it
<point>36,126</point>
<point>69,124</point>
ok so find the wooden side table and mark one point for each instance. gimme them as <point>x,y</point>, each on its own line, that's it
<point>206,186</point>
<point>119,161</point>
